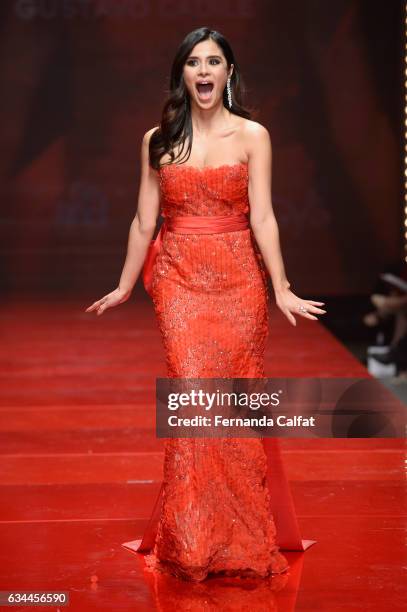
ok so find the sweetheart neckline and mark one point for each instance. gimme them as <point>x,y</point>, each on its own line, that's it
<point>198,169</point>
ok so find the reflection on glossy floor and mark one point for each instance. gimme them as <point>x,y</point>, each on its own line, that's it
<point>81,469</point>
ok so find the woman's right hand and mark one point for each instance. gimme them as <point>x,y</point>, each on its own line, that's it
<point>114,298</point>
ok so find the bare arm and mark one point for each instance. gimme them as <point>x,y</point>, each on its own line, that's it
<point>144,222</point>
<point>264,224</point>
<point>141,232</point>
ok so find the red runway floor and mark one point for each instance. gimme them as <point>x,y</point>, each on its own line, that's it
<point>81,469</point>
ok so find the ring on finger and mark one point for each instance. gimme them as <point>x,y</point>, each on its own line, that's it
<point>302,308</point>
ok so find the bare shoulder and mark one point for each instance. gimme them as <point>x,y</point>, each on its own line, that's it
<point>255,133</point>
<point>148,134</point>
<point>145,152</point>
<point>257,144</point>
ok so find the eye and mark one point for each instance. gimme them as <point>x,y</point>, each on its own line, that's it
<point>214,61</point>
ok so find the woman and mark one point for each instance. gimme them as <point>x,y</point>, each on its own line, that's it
<point>206,274</point>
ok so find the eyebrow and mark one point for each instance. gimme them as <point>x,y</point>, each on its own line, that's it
<point>209,57</point>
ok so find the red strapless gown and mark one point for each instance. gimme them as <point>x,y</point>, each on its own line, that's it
<point>224,504</point>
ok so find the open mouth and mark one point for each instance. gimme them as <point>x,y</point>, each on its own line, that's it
<point>204,90</point>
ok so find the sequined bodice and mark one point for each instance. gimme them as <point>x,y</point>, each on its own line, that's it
<point>213,190</point>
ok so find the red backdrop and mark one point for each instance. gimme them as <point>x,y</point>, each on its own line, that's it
<point>82,80</point>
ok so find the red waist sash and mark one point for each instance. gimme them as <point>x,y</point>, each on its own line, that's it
<point>190,224</point>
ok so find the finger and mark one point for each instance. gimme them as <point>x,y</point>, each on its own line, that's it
<point>316,303</point>
<point>96,305</point>
<point>103,307</point>
<point>291,318</point>
<point>310,309</point>
<point>102,303</point>
<point>92,307</point>
<point>307,315</point>
<point>315,309</point>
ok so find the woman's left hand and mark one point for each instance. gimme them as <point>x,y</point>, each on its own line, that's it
<point>288,303</point>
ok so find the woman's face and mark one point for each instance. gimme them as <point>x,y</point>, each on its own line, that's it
<point>206,64</point>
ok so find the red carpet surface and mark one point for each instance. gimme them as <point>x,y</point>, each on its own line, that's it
<point>81,468</point>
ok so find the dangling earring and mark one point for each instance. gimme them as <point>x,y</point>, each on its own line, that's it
<point>229,92</point>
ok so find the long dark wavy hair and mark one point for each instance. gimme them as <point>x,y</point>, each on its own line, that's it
<point>176,126</point>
